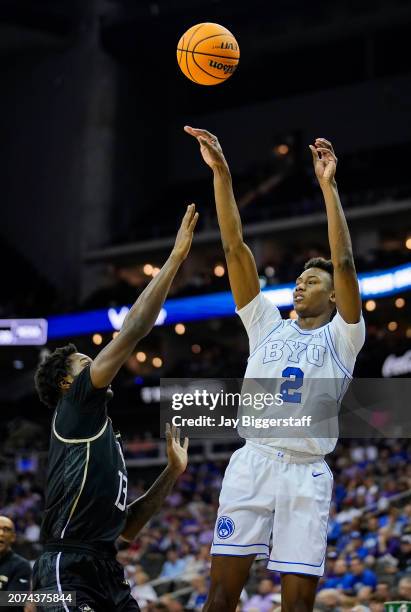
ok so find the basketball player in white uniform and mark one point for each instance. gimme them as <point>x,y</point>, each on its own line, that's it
<point>281,487</point>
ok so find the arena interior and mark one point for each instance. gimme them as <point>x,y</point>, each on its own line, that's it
<point>96,172</point>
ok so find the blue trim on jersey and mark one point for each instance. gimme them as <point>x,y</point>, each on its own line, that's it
<point>262,341</point>
<point>334,354</point>
<point>309,564</point>
<point>297,573</point>
<point>345,385</point>
<point>328,468</point>
<point>309,331</point>
<point>228,555</point>
<point>297,562</point>
<point>328,518</point>
<point>342,388</point>
<point>325,543</point>
<point>241,545</point>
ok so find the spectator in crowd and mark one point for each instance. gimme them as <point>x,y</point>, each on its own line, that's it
<point>328,600</point>
<point>200,564</point>
<point>142,591</point>
<point>356,545</point>
<point>359,576</point>
<point>334,526</point>
<point>404,553</point>
<point>263,599</point>
<point>15,571</point>
<point>404,589</point>
<point>338,578</point>
<point>332,557</point>
<point>187,519</point>
<point>174,566</point>
<point>364,594</point>
<point>386,568</point>
<point>376,605</point>
<point>383,592</point>
<point>199,594</point>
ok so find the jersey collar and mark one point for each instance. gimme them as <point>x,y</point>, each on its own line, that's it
<point>307,331</point>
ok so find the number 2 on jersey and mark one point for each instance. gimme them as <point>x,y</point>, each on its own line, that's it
<point>289,387</point>
<point>121,500</point>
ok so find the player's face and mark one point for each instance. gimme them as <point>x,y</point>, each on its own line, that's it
<point>314,293</point>
<point>79,361</point>
<point>7,534</point>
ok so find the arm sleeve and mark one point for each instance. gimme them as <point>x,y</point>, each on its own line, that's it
<point>21,578</point>
<point>348,338</point>
<point>260,317</point>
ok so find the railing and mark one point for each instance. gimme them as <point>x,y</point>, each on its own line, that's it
<point>378,506</point>
<point>383,207</point>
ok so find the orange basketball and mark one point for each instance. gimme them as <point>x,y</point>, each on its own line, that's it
<point>208,54</point>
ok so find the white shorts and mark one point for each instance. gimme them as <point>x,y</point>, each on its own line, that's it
<point>264,493</point>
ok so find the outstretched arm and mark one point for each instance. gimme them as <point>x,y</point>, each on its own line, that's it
<point>143,315</point>
<point>347,292</point>
<point>242,270</point>
<point>142,509</point>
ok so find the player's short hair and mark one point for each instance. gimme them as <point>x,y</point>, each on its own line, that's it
<point>322,264</point>
<point>50,372</point>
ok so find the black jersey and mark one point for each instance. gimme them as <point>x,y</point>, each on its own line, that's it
<point>15,575</point>
<point>86,491</point>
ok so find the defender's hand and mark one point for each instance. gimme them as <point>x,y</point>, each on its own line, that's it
<point>185,233</point>
<point>209,146</point>
<point>177,454</point>
<point>325,161</point>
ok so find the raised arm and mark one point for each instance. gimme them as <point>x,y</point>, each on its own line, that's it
<point>347,292</point>
<point>143,315</point>
<point>242,270</point>
<point>142,509</point>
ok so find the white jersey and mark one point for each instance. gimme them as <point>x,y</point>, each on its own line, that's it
<point>280,349</point>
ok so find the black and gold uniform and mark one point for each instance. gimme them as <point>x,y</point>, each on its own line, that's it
<point>86,499</point>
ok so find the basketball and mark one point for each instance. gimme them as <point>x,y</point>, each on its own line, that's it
<point>208,54</point>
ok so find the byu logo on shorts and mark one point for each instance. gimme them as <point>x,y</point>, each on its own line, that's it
<point>225,527</point>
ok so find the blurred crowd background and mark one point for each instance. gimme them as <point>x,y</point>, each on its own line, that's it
<point>369,532</point>
<point>96,171</point>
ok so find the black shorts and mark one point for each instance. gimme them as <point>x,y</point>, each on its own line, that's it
<point>99,583</point>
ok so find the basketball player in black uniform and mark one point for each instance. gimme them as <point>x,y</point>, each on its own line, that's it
<point>86,495</point>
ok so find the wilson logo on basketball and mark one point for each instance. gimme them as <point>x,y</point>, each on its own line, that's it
<point>205,46</point>
<point>229,45</point>
<point>226,68</point>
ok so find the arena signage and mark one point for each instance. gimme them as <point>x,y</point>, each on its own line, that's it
<point>214,305</point>
<point>23,332</point>
<point>397,365</point>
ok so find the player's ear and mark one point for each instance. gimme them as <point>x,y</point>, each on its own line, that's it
<point>64,383</point>
<point>332,297</point>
